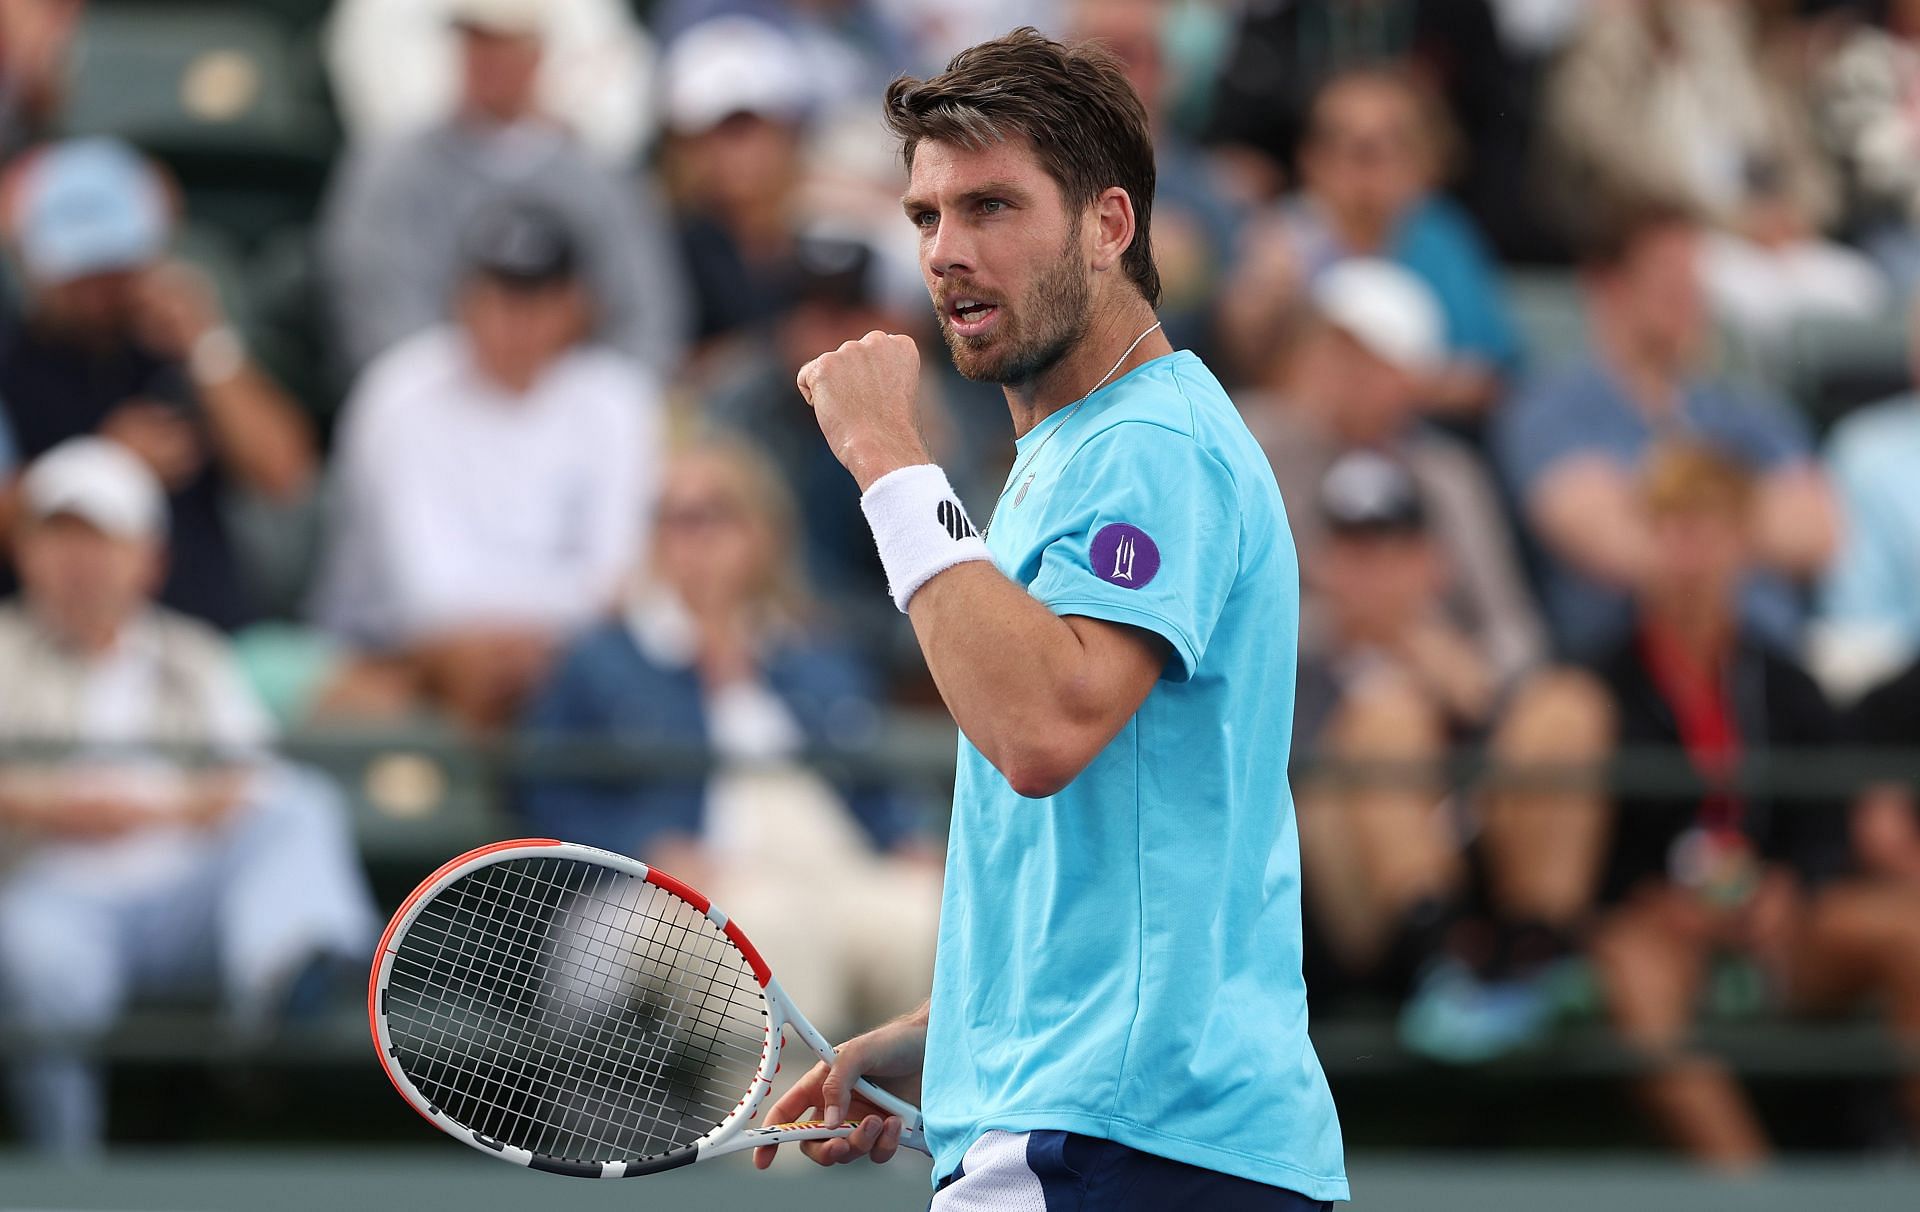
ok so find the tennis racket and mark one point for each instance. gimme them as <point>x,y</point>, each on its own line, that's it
<point>578,1012</point>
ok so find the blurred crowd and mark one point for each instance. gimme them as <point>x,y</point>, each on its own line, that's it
<point>1549,313</point>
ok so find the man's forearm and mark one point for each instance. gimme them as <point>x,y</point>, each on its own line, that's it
<point>1798,528</point>
<point>1014,674</point>
<point>260,434</point>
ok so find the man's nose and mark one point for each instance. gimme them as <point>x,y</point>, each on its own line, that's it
<point>949,251</point>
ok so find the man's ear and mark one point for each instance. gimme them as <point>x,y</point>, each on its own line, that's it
<point>1113,227</point>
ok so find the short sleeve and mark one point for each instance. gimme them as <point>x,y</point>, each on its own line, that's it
<point>1869,580</point>
<point>1143,528</point>
<point>1761,431</point>
<point>1544,424</point>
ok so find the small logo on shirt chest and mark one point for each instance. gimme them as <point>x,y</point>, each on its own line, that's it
<point>1123,555</point>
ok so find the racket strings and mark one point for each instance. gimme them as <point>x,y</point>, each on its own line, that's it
<point>594,1061</point>
<point>598,1060</point>
<point>574,1011</point>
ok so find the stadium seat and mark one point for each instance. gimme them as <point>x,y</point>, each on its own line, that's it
<point>420,793</point>
<point>189,75</point>
<point>226,95</point>
<point>1546,305</point>
<point>1836,366</point>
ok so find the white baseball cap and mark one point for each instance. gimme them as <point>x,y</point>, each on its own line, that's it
<point>1385,308</point>
<point>735,65</point>
<point>526,18</point>
<point>100,482</point>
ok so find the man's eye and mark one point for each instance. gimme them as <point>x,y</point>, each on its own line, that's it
<point>992,206</point>
<point>926,218</point>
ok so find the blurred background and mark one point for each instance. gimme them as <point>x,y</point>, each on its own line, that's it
<point>399,451</point>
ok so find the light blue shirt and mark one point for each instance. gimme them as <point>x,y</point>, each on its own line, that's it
<point>1876,579</point>
<point>1122,959</point>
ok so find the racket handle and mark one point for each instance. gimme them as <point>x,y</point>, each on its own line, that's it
<point>787,1134</point>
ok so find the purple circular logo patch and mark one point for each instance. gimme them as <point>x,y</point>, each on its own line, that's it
<point>1123,555</point>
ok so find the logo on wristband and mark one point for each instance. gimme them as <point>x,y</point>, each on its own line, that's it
<point>955,520</point>
<point>1123,555</point>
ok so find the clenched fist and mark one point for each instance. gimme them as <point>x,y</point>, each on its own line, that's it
<point>863,398</point>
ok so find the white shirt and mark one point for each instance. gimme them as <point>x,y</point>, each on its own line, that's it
<point>160,670</point>
<point>1760,291</point>
<point>395,67</point>
<point>458,503</point>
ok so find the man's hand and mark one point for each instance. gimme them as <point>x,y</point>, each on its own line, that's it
<point>162,436</point>
<point>481,675</point>
<point>897,1050</point>
<point>176,305</point>
<point>863,397</point>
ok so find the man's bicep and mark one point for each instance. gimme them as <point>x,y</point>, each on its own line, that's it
<point>1123,662</point>
<point>1148,537</point>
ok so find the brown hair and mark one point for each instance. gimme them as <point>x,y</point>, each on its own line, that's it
<point>1689,478</point>
<point>757,485</point>
<point>1072,103</point>
<point>1607,239</point>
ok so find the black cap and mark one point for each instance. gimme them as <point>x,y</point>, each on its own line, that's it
<point>1365,492</point>
<point>833,269</point>
<point>522,243</point>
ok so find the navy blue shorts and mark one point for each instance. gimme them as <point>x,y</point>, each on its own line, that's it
<point>1046,1171</point>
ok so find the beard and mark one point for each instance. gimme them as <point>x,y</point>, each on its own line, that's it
<point>1052,319</point>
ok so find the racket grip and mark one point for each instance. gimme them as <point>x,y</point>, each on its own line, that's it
<point>911,1136</point>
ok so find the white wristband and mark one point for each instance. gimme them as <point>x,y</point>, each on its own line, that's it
<point>217,356</point>
<point>920,527</point>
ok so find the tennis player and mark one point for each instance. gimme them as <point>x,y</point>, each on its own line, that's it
<point>1118,1019</point>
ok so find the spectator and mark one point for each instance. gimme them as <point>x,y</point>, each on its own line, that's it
<point>130,869</point>
<point>395,70</point>
<point>1352,380</point>
<point>1886,820</point>
<point>389,231</point>
<point>738,96</point>
<point>492,477</point>
<point>721,655</point>
<point>119,341</point>
<point>1195,227</point>
<point>1571,441</point>
<point>835,297</point>
<point>1286,52</point>
<point>1391,687</point>
<point>36,38</point>
<point>851,49</point>
<point>1669,99</point>
<point>1863,99</point>
<point>1416,635</point>
<point>938,30</point>
<point>1874,584</point>
<point>1778,271</point>
<point>1720,869</point>
<point>1368,164</point>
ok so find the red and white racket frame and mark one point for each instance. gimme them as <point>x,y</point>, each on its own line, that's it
<point>730,1135</point>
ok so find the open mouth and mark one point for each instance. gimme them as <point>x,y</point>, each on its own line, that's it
<point>972,317</point>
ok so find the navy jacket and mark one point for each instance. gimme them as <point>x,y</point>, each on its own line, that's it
<point>607,688</point>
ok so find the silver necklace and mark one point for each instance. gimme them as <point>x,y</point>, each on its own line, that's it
<point>1077,406</point>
